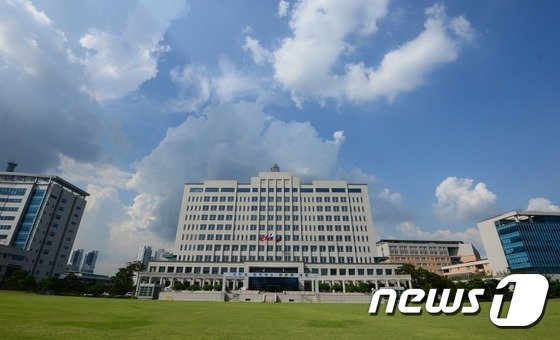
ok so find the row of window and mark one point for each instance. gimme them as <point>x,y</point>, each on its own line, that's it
<point>322,271</point>
<point>286,238</point>
<point>12,191</point>
<point>260,258</point>
<point>286,227</point>
<point>303,189</point>
<point>269,247</point>
<point>254,199</point>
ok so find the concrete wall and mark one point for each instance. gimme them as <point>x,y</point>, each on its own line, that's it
<point>255,296</point>
<point>192,296</point>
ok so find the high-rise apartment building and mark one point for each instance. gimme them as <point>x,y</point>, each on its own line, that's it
<point>522,242</point>
<point>89,262</point>
<point>75,261</point>
<point>39,219</point>
<point>144,255</point>
<point>274,224</point>
<point>428,254</point>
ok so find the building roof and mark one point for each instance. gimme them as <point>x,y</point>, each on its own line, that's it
<point>27,177</point>
<point>419,241</point>
<point>526,213</point>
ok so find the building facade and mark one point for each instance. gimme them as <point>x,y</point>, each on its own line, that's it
<point>523,242</point>
<point>463,271</point>
<point>144,255</point>
<point>296,233</point>
<point>75,261</point>
<point>39,219</point>
<point>89,262</point>
<point>428,254</point>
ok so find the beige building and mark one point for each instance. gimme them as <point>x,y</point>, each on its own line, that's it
<point>465,270</point>
<point>428,254</point>
<point>39,219</point>
<point>296,233</point>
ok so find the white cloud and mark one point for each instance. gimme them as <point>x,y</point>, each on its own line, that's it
<point>338,137</point>
<point>459,200</point>
<point>260,54</point>
<point>41,105</point>
<point>462,27</point>
<point>393,197</point>
<point>304,62</point>
<point>225,141</point>
<point>194,87</point>
<point>283,8</point>
<point>199,86</point>
<point>118,64</point>
<point>409,230</point>
<point>542,204</point>
<point>103,175</point>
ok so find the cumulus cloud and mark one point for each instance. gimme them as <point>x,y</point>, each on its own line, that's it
<point>542,204</point>
<point>199,86</point>
<point>458,199</point>
<point>283,7</point>
<point>305,62</point>
<point>104,175</point>
<point>260,54</point>
<point>118,64</point>
<point>410,230</point>
<point>41,106</point>
<point>393,197</point>
<point>225,141</point>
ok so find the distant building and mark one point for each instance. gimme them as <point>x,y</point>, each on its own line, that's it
<point>39,219</point>
<point>75,260</point>
<point>463,271</point>
<point>522,242</point>
<point>158,255</point>
<point>428,254</point>
<point>89,262</point>
<point>144,255</point>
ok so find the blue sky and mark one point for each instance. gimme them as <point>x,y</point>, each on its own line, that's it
<point>448,110</point>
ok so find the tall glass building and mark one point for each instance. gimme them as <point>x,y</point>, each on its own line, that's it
<point>39,219</point>
<point>522,242</point>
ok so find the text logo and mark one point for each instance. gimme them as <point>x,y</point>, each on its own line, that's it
<point>526,306</point>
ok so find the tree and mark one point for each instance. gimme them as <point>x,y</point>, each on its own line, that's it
<point>179,286</point>
<point>207,287</point>
<point>122,282</point>
<point>424,279</point>
<point>364,287</point>
<point>50,285</point>
<point>20,280</point>
<point>336,287</point>
<point>324,287</point>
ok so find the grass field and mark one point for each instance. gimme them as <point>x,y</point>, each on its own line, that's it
<point>30,315</point>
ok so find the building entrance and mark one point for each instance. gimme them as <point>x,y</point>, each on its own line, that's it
<point>273,284</point>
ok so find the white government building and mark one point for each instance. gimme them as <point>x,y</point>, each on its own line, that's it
<point>274,234</point>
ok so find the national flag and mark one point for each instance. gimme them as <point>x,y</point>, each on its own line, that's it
<point>263,238</point>
<point>278,238</point>
<point>271,236</point>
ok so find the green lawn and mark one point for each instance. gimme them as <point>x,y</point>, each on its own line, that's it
<point>29,315</point>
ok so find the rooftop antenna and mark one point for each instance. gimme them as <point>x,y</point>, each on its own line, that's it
<point>11,166</point>
<point>275,168</point>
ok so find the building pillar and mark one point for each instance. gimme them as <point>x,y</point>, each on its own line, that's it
<point>343,286</point>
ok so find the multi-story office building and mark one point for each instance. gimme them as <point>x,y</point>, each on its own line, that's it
<point>465,270</point>
<point>277,225</point>
<point>428,254</point>
<point>89,262</point>
<point>524,242</point>
<point>75,260</point>
<point>144,255</point>
<point>39,219</point>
